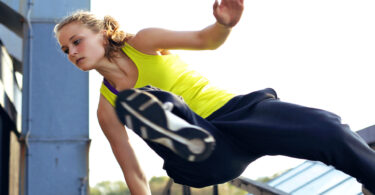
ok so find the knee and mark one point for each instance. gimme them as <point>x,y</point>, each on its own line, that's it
<point>328,128</point>
<point>205,173</point>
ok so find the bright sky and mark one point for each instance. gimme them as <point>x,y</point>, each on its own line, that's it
<point>316,53</point>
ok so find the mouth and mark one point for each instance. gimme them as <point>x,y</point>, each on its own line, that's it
<point>79,60</point>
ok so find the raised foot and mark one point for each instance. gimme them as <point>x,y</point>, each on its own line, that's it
<point>151,120</point>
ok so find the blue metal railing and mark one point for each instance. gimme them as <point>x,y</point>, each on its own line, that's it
<point>251,186</point>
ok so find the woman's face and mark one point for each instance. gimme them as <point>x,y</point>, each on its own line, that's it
<point>84,48</point>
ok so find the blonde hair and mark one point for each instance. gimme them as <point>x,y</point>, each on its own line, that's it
<point>116,37</point>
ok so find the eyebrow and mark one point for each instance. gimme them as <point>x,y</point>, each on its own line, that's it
<point>62,47</point>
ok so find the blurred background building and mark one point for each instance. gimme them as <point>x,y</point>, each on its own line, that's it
<point>44,129</point>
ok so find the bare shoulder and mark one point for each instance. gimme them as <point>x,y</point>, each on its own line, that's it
<point>107,116</point>
<point>105,109</point>
<point>143,41</point>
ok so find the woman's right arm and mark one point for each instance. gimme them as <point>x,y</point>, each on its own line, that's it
<point>123,151</point>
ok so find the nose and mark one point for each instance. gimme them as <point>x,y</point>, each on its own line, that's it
<point>72,51</point>
<point>72,55</point>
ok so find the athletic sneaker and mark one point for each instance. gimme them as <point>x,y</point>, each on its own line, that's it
<point>150,119</point>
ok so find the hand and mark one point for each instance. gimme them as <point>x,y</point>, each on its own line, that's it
<point>228,12</point>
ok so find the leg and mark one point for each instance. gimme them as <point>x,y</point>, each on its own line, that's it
<point>153,121</point>
<point>225,162</point>
<point>272,127</point>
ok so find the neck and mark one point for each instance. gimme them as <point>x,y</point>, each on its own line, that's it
<point>120,72</point>
<point>112,70</point>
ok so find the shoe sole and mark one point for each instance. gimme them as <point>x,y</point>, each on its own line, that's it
<point>144,114</point>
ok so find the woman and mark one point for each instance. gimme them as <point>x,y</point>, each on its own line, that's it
<point>204,134</point>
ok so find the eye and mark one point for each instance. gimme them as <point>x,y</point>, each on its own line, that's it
<point>66,51</point>
<point>77,42</point>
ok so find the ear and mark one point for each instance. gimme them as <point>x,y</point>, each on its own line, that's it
<point>103,34</point>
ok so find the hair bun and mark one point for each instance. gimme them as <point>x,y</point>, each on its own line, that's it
<point>112,27</point>
<point>110,23</point>
<point>118,36</point>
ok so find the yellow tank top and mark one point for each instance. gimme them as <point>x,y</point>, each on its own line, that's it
<point>170,73</point>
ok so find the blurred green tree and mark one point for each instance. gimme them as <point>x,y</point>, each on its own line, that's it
<point>157,185</point>
<point>110,188</point>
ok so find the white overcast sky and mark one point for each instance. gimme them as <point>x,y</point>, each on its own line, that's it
<point>317,53</point>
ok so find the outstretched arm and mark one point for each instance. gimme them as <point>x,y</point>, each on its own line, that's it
<point>227,14</point>
<point>123,151</point>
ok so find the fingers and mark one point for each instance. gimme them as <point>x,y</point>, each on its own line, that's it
<point>236,2</point>
<point>216,4</point>
<point>215,8</point>
<point>228,4</point>
<point>228,12</point>
<point>232,1</point>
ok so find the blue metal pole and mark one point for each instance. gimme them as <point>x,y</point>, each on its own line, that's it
<point>55,105</point>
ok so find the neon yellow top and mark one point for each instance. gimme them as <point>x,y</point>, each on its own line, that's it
<point>170,73</point>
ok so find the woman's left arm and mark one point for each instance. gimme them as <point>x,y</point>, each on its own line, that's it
<point>227,14</point>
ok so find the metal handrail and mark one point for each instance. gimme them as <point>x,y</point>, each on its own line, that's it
<point>251,186</point>
<point>185,189</point>
<point>255,187</point>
